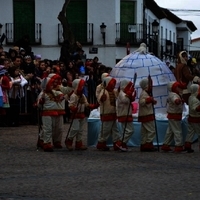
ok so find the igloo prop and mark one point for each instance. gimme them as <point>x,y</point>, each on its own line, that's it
<point>145,64</point>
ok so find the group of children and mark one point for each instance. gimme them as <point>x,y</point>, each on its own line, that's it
<point>51,103</point>
<point>174,110</point>
<point>115,106</point>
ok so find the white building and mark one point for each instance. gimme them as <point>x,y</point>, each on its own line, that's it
<point>127,23</point>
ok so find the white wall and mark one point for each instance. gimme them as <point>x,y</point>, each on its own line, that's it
<point>170,26</point>
<point>98,13</point>
<point>107,11</point>
<point>47,13</point>
<point>139,11</point>
<point>186,39</point>
<point>195,46</point>
<point>6,13</point>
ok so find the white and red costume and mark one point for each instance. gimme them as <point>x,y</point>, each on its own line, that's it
<point>52,101</point>
<point>125,97</point>
<point>77,104</point>
<point>107,100</point>
<point>101,86</point>
<point>174,115</point>
<point>146,116</point>
<point>194,116</point>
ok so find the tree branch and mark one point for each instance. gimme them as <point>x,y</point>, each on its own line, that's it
<point>67,33</point>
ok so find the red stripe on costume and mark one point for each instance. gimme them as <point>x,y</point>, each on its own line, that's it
<point>52,112</point>
<point>61,112</point>
<point>80,115</point>
<point>125,118</point>
<point>176,116</point>
<point>194,119</point>
<point>147,118</point>
<point>109,117</point>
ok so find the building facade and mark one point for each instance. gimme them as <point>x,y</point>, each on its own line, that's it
<point>126,23</point>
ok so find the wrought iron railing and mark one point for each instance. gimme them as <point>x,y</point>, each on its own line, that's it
<point>83,32</point>
<point>169,49</point>
<point>15,32</point>
<point>132,33</point>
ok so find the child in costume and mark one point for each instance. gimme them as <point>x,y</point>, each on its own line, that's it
<point>194,117</point>
<point>77,104</point>
<point>146,116</point>
<point>52,101</point>
<point>108,115</point>
<point>174,115</point>
<point>124,110</point>
<point>101,86</point>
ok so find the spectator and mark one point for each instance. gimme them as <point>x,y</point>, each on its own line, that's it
<point>5,87</point>
<point>16,93</point>
<point>64,53</point>
<point>72,69</point>
<point>192,63</point>
<point>41,71</point>
<point>24,43</point>
<point>183,74</point>
<point>12,54</point>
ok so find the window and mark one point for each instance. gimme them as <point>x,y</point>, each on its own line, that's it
<point>161,31</point>
<point>24,19</point>
<point>127,12</point>
<point>180,44</point>
<point>127,21</point>
<point>77,12</point>
<point>77,17</point>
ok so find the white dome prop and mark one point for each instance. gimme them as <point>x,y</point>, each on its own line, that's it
<point>144,64</point>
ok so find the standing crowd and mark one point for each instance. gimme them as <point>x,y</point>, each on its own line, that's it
<point>64,91</point>
<point>21,76</point>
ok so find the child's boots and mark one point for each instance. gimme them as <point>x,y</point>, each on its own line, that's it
<point>48,147</point>
<point>79,146</point>
<point>188,147</point>
<point>102,146</point>
<point>68,144</point>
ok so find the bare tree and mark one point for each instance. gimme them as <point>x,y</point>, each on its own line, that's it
<point>67,33</point>
<point>69,45</point>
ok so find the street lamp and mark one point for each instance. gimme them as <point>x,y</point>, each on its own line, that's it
<point>103,31</point>
<point>168,46</point>
<point>155,30</point>
<point>168,50</point>
<point>155,27</point>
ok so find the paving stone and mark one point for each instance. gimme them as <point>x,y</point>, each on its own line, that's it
<point>28,174</point>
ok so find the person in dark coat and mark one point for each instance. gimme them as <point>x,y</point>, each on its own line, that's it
<point>183,74</point>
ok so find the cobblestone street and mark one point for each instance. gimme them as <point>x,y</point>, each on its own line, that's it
<point>29,174</point>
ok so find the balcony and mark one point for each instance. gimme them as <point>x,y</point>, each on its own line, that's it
<point>14,32</point>
<point>132,33</point>
<point>169,50</point>
<point>83,33</point>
